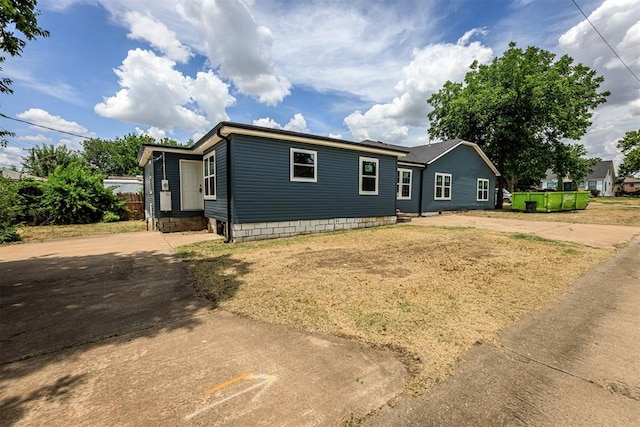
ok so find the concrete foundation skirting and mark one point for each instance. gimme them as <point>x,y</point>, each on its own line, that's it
<point>270,230</point>
<point>176,224</point>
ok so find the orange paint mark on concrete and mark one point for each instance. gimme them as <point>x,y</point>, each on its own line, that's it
<point>227,383</point>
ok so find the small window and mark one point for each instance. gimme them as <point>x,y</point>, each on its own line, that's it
<point>404,184</point>
<point>304,165</point>
<point>443,186</point>
<point>368,176</point>
<point>209,174</point>
<point>483,190</point>
<point>592,185</point>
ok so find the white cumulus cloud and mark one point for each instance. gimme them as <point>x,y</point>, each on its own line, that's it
<point>145,27</point>
<point>154,93</point>
<point>429,69</point>
<point>296,124</point>
<point>44,118</point>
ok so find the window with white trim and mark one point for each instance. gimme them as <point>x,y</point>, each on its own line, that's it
<point>483,190</point>
<point>404,184</point>
<point>303,165</point>
<point>442,186</point>
<point>368,172</point>
<point>209,174</point>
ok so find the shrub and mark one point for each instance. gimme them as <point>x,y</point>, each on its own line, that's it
<point>74,195</point>
<point>110,217</point>
<point>9,210</point>
<point>595,193</point>
<point>32,210</point>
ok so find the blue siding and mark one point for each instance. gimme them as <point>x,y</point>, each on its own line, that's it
<point>262,190</point>
<point>465,166</point>
<point>411,206</point>
<point>171,173</point>
<point>218,208</point>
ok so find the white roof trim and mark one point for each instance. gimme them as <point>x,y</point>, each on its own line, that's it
<point>475,147</point>
<point>229,130</point>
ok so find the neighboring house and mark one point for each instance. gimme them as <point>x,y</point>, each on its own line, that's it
<point>631,185</point>
<point>601,178</point>
<point>250,183</point>
<point>124,184</point>
<point>449,175</point>
<point>17,176</point>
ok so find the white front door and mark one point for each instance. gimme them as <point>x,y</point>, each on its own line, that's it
<point>191,195</point>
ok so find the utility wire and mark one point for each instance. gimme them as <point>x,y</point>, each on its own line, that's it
<point>606,42</point>
<point>45,127</point>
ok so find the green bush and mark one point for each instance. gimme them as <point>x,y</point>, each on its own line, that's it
<point>74,195</point>
<point>31,202</point>
<point>9,210</point>
<point>110,217</point>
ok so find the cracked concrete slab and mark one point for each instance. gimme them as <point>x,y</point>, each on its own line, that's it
<point>597,236</point>
<point>573,362</point>
<point>107,331</point>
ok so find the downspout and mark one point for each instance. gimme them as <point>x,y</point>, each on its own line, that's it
<point>420,195</point>
<point>228,161</point>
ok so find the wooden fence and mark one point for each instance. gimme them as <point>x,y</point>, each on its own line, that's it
<point>135,205</point>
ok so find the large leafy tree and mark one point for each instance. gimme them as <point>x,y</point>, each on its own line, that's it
<point>118,157</point>
<point>630,146</point>
<point>42,161</point>
<point>520,109</point>
<point>16,16</point>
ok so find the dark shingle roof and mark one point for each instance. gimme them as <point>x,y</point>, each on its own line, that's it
<point>427,153</point>
<point>600,169</point>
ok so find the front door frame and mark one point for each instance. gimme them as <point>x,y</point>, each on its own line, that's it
<point>197,165</point>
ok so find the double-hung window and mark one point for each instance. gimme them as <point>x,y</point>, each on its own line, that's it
<point>442,186</point>
<point>368,172</point>
<point>209,174</point>
<point>304,165</point>
<point>483,190</point>
<point>404,184</point>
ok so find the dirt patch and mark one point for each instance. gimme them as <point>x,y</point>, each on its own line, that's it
<point>430,291</point>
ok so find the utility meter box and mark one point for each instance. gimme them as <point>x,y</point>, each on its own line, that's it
<point>165,185</point>
<point>165,201</point>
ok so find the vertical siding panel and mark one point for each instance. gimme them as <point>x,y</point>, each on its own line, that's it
<point>218,208</point>
<point>411,206</point>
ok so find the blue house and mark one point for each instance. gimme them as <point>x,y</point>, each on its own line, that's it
<point>445,176</point>
<point>248,183</point>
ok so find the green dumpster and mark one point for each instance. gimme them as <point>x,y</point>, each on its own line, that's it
<point>550,201</point>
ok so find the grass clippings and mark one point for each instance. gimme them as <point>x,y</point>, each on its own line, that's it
<point>623,211</point>
<point>430,292</point>
<point>48,232</point>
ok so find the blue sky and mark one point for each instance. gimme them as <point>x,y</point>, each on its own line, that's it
<point>355,70</point>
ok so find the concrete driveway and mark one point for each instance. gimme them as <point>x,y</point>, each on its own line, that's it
<point>106,331</point>
<point>594,235</point>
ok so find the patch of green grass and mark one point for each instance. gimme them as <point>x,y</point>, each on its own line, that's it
<point>48,232</point>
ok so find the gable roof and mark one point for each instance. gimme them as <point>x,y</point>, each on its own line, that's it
<point>225,129</point>
<point>600,170</point>
<point>427,154</point>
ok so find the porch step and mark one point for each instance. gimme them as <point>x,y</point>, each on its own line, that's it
<point>402,217</point>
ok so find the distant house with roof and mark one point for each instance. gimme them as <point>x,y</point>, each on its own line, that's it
<point>601,179</point>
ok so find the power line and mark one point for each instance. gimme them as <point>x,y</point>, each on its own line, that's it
<point>606,42</point>
<point>45,127</point>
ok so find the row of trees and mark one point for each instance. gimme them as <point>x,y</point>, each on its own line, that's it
<point>117,157</point>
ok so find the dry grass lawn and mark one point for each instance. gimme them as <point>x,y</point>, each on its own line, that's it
<point>47,232</point>
<point>427,292</point>
<point>614,211</point>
